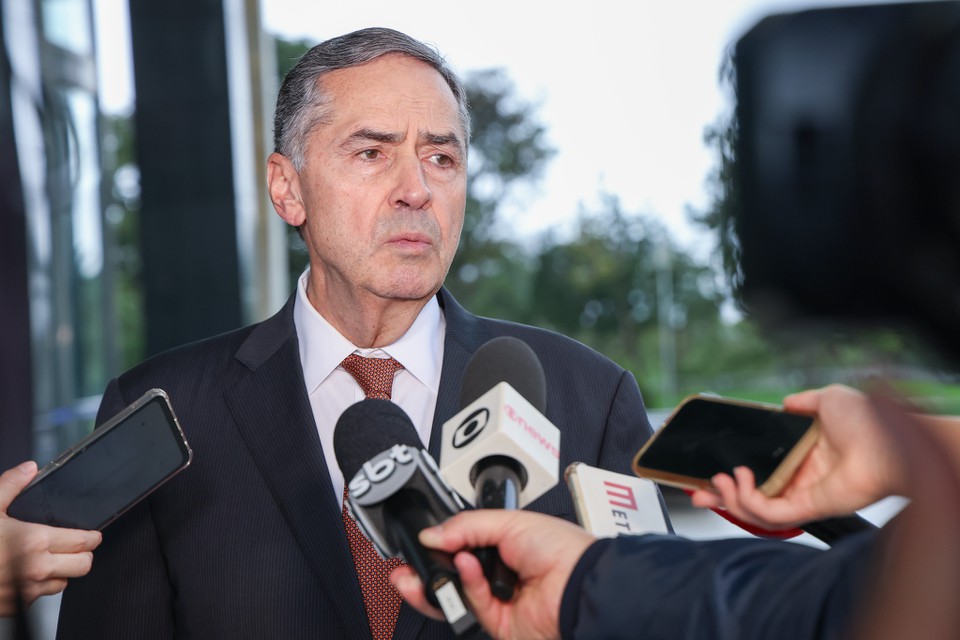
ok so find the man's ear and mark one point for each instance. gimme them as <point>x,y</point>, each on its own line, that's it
<point>283,183</point>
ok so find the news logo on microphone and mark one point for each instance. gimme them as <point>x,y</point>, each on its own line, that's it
<point>396,463</point>
<point>499,421</point>
<point>612,504</point>
<point>396,491</point>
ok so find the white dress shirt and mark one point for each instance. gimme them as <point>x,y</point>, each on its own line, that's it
<point>331,389</point>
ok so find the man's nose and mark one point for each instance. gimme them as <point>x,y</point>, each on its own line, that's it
<point>411,188</point>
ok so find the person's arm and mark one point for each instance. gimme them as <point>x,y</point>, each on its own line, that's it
<point>35,559</point>
<point>853,464</point>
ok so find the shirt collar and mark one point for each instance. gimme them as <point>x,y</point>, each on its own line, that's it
<point>323,348</point>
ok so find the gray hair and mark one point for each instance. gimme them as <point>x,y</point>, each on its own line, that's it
<point>301,101</point>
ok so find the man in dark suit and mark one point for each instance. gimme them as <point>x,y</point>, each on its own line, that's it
<point>371,140</point>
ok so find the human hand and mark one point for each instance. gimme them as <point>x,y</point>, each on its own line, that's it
<point>853,464</point>
<point>36,559</point>
<point>543,550</point>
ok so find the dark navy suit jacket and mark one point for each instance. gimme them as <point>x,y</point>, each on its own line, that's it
<point>248,541</point>
<point>670,588</point>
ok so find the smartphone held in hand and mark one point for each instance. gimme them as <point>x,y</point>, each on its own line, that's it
<point>706,435</point>
<point>100,477</point>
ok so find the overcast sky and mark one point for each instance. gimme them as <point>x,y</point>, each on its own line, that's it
<point>625,89</point>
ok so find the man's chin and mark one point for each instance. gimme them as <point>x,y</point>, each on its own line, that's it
<point>405,290</point>
<point>411,282</point>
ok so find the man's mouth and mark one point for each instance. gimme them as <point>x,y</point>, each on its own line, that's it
<point>411,240</point>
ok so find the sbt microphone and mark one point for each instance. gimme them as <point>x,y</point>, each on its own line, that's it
<point>499,451</point>
<point>395,491</point>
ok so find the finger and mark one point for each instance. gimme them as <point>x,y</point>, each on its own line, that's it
<point>410,587</point>
<point>726,489</point>
<point>704,499</point>
<point>739,498</point>
<point>485,607</point>
<point>471,529</point>
<point>471,573</point>
<point>749,498</point>
<point>72,540</point>
<point>756,507</point>
<point>70,565</point>
<point>12,482</point>
<point>732,491</point>
<point>804,401</point>
<point>38,568</point>
<point>34,590</point>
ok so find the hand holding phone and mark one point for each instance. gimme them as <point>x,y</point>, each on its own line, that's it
<point>707,435</point>
<point>100,477</point>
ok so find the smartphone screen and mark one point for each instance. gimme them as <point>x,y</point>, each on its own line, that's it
<point>101,476</point>
<point>706,436</point>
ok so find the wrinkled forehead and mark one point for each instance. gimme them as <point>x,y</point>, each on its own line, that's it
<point>393,92</point>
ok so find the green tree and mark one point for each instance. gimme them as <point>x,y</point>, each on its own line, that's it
<point>623,287</point>
<point>721,214</point>
<point>122,212</point>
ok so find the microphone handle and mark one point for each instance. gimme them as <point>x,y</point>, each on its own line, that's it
<point>406,513</point>
<point>497,486</point>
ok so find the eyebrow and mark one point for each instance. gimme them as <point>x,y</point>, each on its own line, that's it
<point>387,137</point>
<point>376,136</point>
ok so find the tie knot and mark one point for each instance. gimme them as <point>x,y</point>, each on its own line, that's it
<point>374,375</point>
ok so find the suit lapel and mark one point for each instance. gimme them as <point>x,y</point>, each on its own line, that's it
<point>464,335</point>
<point>273,414</point>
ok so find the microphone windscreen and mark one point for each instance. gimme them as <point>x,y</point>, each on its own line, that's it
<point>367,428</point>
<point>505,359</point>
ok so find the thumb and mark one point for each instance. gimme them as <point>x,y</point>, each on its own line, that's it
<point>12,482</point>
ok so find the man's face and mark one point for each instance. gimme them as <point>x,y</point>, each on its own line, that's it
<point>384,181</point>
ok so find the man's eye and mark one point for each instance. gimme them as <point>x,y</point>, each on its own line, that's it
<point>441,160</point>
<point>370,154</point>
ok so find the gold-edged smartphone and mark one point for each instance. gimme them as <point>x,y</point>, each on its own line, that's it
<point>706,435</point>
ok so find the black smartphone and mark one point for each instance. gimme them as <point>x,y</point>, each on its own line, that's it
<point>706,435</point>
<point>92,483</point>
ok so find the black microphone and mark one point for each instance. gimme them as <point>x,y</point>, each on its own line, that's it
<point>395,491</point>
<point>499,451</point>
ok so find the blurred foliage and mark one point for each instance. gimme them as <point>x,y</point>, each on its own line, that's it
<point>122,214</point>
<point>724,187</point>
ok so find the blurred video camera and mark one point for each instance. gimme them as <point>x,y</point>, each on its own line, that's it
<point>848,156</point>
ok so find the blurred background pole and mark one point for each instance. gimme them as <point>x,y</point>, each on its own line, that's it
<point>668,347</point>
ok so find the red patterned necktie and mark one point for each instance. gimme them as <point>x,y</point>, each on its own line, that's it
<point>381,600</point>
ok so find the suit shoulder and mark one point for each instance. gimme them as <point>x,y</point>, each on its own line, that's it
<point>556,349</point>
<point>190,366</point>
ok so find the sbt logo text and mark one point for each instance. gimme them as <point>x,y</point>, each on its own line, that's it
<point>381,475</point>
